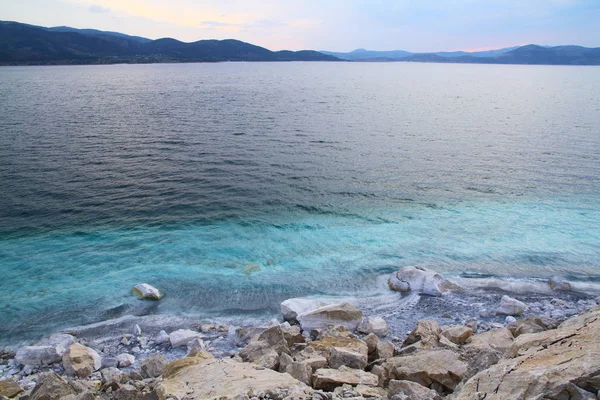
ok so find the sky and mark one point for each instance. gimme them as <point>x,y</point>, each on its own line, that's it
<point>335,25</point>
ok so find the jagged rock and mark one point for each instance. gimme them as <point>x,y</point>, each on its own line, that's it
<point>154,366</point>
<point>340,314</point>
<point>291,308</point>
<point>443,367</point>
<point>371,340</point>
<point>292,334</point>
<point>269,360</point>
<point>384,350</point>
<point>420,280</point>
<point>181,337</point>
<point>325,345</point>
<point>312,358</point>
<point>37,355</point>
<point>146,291</point>
<point>275,338</point>
<point>174,367</point>
<point>125,360</point>
<point>10,388</point>
<point>284,361</point>
<point>381,374</point>
<point>485,349</point>
<point>162,337</point>
<point>371,392</point>
<point>329,379</point>
<point>457,334</point>
<point>412,390</point>
<point>510,306</point>
<point>226,378</point>
<point>376,325</point>
<point>560,364</point>
<point>81,361</point>
<point>50,386</point>
<point>300,371</point>
<point>340,356</point>
<point>528,325</point>
<point>426,332</point>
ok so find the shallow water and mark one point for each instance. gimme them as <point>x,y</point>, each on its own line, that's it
<point>328,176</point>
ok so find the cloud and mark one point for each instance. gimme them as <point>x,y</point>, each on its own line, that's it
<point>96,9</point>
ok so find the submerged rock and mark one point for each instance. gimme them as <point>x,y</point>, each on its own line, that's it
<point>146,291</point>
<point>339,314</point>
<point>420,280</point>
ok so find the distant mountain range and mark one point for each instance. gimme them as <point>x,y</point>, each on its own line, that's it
<point>23,44</point>
<point>530,54</point>
<point>29,44</point>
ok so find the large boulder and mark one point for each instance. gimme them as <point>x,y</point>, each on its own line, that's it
<point>420,280</point>
<point>291,308</point>
<point>154,366</point>
<point>146,291</point>
<point>457,334</point>
<point>38,355</point>
<point>510,306</point>
<point>338,314</point>
<point>226,378</point>
<point>376,325</point>
<point>528,325</point>
<point>51,386</point>
<point>329,379</point>
<point>9,388</point>
<point>81,361</point>
<point>559,364</point>
<point>441,370</point>
<point>485,349</point>
<point>182,337</point>
<point>340,356</point>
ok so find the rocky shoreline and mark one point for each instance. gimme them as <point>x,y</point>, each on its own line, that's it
<point>544,347</point>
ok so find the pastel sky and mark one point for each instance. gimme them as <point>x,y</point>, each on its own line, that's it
<point>337,25</point>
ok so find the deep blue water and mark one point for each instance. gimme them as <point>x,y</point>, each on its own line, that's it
<point>326,175</point>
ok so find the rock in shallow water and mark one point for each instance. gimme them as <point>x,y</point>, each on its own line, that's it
<point>146,291</point>
<point>420,280</point>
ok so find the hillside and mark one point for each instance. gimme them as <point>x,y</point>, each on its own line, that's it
<point>28,44</point>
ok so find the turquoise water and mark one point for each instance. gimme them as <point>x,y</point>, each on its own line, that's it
<point>326,176</point>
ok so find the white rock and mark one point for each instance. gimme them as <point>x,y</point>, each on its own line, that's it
<point>376,325</point>
<point>420,280</point>
<point>291,308</point>
<point>509,320</point>
<point>125,360</point>
<point>338,314</point>
<point>510,306</point>
<point>162,337</point>
<point>60,341</point>
<point>145,291</point>
<point>181,337</point>
<point>137,331</point>
<point>38,355</point>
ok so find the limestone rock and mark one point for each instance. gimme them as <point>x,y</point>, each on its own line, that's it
<point>81,361</point>
<point>326,344</point>
<point>181,337</point>
<point>371,392</point>
<point>528,325</point>
<point>146,291</point>
<point>426,331</point>
<point>162,337</point>
<point>284,361</point>
<point>269,360</point>
<point>329,379</point>
<point>60,341</point>
<point>37,355</point>
<point>340,314</point>
<point>10,388</point>
<point>558,283</point>
<point>412,390</point>
<point>485,349</point>
<point>371,340</point>
<point>510,306</point>
<point>154,366</point>
<point>560,364</point>
<point>457,334</point>
<point>340,356</point>
<point>376,325</point>
<point>291,308</point>
<point>384,350</point>
<point>292,334</point>
<point>300,371</point>
<point>381,373</point>
<point>125,360</point>
<point>420,280</point>
<point>226,378</point>
<point>441,367</point>
<point>50,386</point>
